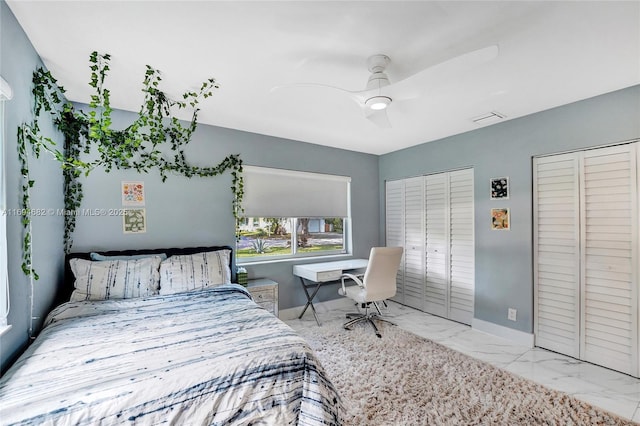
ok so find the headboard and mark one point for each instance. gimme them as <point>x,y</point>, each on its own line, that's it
<point>67,287</point>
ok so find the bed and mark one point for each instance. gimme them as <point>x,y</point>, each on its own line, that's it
<point>203,355</point>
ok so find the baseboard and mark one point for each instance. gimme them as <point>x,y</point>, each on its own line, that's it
<point>321,307</point>
<point>517,336</point>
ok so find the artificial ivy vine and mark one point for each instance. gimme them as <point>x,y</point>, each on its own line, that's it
<point>136,147</point>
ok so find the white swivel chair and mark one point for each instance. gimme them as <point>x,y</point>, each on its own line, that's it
<point>377,284</point>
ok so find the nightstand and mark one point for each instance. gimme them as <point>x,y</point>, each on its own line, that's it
<point>265,292</point>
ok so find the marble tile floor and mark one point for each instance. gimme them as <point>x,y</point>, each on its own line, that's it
<point>613,391</point>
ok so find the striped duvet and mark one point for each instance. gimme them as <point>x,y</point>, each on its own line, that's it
<point>205,357</point>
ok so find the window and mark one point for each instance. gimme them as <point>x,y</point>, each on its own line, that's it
<point>5,95</point>
<point>276,236</point>
<point>293,214</point>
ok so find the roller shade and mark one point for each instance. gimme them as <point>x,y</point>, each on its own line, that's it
<point>287,193</point>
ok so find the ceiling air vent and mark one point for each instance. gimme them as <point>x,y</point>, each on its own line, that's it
<point>488,118</point>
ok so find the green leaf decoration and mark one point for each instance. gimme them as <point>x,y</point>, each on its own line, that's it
<point>138,146</point>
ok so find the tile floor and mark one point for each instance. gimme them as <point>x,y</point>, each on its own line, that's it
<point>610,390</point>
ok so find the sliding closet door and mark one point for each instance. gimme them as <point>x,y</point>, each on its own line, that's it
<point>557,253</point>
<point>414,242</point>
<point>609,239</point>
<point>395,227</point>
<point>461,246</point>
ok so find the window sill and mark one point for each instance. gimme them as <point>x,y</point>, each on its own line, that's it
<point>293,259</point>
<point>4,329</point>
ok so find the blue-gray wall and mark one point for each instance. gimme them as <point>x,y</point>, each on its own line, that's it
<point>18,60</point>
<point>504,276</point>
<point>186,212</point>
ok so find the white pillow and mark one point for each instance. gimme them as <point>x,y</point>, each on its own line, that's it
<point>195,271</point>
<point>115,279</point>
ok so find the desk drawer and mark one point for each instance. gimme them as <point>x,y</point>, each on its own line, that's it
<point>326,276</point>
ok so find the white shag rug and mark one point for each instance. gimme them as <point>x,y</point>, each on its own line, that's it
<point>404,379</point>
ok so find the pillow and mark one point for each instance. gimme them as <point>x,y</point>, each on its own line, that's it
<point>195,271</point>
<point>101,257</point>
<point>115,279</point>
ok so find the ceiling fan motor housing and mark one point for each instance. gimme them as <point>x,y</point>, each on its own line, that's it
<point>378,78</point>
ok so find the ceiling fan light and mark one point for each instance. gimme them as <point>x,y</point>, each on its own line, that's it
<point>378,103</point>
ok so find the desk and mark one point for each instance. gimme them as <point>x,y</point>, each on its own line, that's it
<point>315,275</point>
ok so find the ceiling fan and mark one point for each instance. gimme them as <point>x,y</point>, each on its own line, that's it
<point>380,94</point>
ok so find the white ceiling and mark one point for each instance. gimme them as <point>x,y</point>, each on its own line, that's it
<point>550,54</point>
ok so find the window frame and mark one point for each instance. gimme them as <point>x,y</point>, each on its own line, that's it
<point>343,185</point>
<point>6,94</point>
<point>295,254</point>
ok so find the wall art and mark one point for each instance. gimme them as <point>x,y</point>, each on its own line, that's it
<point>134,221</point>
<point>500,219</point>
<point>133,193</point>
<point>500,188</point>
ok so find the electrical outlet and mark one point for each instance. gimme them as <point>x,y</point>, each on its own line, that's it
<point>511,315</point>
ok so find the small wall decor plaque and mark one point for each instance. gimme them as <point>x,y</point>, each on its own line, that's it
<point>500,188</point>
<point>133,193</point>
<point>500,219</point>
<point>134,221</point>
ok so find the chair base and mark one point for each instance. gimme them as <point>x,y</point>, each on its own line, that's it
<point>357,317</point>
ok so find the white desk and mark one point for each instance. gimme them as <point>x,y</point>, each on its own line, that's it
<point>315,275</point>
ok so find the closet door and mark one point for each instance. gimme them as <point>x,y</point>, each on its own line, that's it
<point>414,242</point>
<point>609,331</point>
<point>586,255</point>
<point>395,227</point>
<point>557,253</point>
<point>449,232</point>
<point>437,243</point>
<point>461,246</point>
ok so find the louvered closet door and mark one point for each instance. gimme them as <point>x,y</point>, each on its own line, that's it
<point>414,242</point>
<point>609,237</point>
<point>450,270</point>
<point>557,253</point>
<point>461,246</point>
<point>586,255</point>
<point>395,227</point>
<point>437,240</point>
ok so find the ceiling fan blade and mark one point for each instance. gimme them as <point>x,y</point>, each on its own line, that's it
<point>357,96</point>
<point>434,76</point>
<point>313,85</point>
<point>380,117</point>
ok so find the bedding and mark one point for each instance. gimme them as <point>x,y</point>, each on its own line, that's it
<point>210,356</point>
<point>115,279</point>
<point>194,271</point>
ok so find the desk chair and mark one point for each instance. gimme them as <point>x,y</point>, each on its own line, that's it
<point>377,284</point>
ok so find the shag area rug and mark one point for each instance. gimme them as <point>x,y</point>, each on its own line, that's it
<point>404,379</point>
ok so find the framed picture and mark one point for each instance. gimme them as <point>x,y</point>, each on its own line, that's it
<point>133,193</point>
<point>500,219</point>
<point>500,188</point>
<point>134,221</point>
